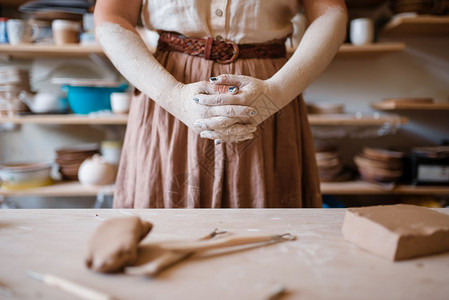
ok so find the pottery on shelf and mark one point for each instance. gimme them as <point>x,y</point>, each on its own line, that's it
<point>24,175</point>
<point>96,171</point>
<point>44,102</point>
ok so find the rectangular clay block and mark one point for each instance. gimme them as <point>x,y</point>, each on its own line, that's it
<point>397,232</point>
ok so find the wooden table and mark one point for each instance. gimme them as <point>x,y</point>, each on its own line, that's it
<point>318,265</point>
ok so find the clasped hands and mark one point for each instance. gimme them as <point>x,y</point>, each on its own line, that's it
<point>228,108</point>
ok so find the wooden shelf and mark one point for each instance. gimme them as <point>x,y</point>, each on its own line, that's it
<point>348,119</point>
<point>66,119</point>
<point>365,188</point>
<point>375,49</point>
<point>349,50</point>
<point>61,189</point>
<point>343,119</point>
<point>417,25</point>
<point>407,106</point>
<point>33,50</point>
<point>75,189</point>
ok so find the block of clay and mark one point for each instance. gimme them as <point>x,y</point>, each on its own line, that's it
<point>397,232</point>
<point>113,245</point>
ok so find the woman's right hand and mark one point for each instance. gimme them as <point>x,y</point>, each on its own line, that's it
<point>222,123</point>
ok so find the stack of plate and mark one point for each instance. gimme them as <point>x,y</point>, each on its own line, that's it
<point>330,167</point>
<point>12,82</point>
<point>379,165</point>
<point>69,159</point>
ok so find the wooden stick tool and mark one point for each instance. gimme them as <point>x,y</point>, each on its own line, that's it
<point>201,246</point>
<point>167,259</point>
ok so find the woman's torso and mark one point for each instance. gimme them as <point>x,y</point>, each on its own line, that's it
<point>242,21</point>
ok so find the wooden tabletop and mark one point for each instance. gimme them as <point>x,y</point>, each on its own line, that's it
<point>318,265</point>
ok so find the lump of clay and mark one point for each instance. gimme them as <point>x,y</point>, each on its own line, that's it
<point>114,244</point>
<point>397,232</point>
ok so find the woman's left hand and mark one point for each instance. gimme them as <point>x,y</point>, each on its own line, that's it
<point>251,91</point>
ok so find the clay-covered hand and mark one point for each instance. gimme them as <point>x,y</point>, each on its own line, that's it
<point>113,246</point>
<point>253,92</point>
<point>232,121</point>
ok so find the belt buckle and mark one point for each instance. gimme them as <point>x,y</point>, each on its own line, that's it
<point>234,56</point>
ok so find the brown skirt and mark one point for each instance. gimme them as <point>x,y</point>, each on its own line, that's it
<point>166,165</point>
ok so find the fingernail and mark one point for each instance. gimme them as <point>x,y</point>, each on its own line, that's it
<point>198,124</point>
<point>253,129</point>
<point>202,134</point>
<point>212,79</point>
<point>253,113</point>
<point>218,142</point>
<point>196,100</point>
<point>232,89</point>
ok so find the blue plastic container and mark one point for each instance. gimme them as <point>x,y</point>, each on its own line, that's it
<point>83,100</point>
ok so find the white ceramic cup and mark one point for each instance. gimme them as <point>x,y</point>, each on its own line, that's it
<point>21,31</point>
<point>362,31</point>
<point>65,32</point>
<point>120,102</point>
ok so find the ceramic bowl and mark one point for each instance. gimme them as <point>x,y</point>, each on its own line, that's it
<point>22,175</point>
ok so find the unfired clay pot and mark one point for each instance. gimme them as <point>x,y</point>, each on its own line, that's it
<point>96,171</point>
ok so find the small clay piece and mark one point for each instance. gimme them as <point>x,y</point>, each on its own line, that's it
<point>397,232</point>
<point>114,244</point>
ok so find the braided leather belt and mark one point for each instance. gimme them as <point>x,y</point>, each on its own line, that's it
<point>221,51</point>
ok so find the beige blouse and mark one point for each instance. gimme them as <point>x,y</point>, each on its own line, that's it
<point>242,21</point>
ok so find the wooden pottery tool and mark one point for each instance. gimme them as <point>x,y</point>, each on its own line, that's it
<point>226,242</point>
<point>71,287</point>
<point>167,260</point>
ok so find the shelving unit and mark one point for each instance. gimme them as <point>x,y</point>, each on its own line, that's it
<point>344,119</point>
<point>366,188</point>
<point>417,25</point>
<point>407,106</point>
<point>33,50</point>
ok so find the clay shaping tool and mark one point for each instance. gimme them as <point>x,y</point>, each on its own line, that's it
<point>167,260</point>
<point>69,286</point>
<point>226,242</point>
